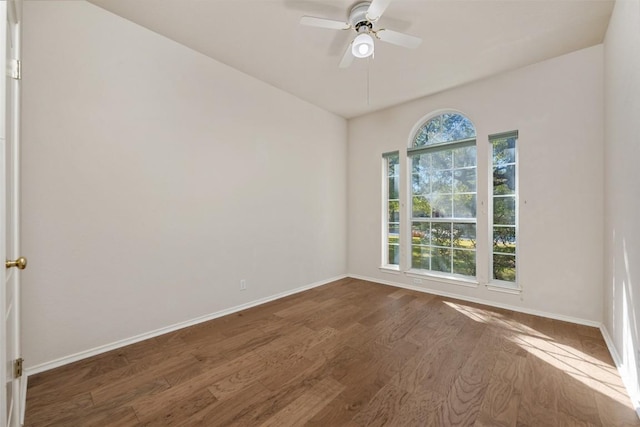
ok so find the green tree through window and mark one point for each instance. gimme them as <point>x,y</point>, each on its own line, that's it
<point>504,206</point>
<point>391,256</point>
<point>443,196</point>
<point>446,127</point>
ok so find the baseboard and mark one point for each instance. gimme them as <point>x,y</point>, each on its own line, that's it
<point>481,301</point>
<point>624,373</point>
<point>122,343</point>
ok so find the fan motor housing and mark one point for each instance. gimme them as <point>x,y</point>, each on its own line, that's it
<point>358,16</point>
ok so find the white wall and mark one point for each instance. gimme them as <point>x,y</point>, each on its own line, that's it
<point>156,178</point>
<point>556,106</point>
<point>622,192</point>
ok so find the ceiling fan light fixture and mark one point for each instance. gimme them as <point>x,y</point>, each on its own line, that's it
<point>362,46</point>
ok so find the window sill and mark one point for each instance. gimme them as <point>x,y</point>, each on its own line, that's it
<point>393,269</point>
<point>505,289</point>
<point>450,280</point>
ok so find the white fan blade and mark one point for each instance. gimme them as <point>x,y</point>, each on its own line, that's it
<point>347,58</point>
<point>376,9</point>
<point>324,23</point>
<point>399,39</point>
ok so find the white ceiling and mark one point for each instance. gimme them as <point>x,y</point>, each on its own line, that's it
<point>464,40</point>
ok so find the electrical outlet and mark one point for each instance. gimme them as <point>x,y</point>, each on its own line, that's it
<point>243,285</point>
<point>417,281</point>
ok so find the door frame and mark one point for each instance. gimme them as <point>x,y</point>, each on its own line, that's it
<point>10,28</point>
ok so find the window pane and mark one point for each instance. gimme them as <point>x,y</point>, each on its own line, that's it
<point>464,262</point>
<point>421,207</point>
<point>464,236</point>
<point>443,187</point>
<point>464,206</point>
<point>394,189</point>
<point>391,218</point>
<point>455,127</point>
<point>504,151</point>
<point>442,159</point>
<point>504,267</point>
<point>441,260</point>
<point>421,163</point>
<point>420,183</point>
<point>504,210</point>
<point>504,239</point>
<point>442,206</point>
<point>394,254</point>
<point>432,130</point>
<point>464,180</point>
<point>393,166</point>
<point>442,182</point>
<point>421,138</point>
<point>421,233</point>
<point>394,212</point>
<point>441,234</point>
<point>420,257</point>
<point>504,179</point>
<point>394,229</point>
<point>444,128</point>
<point>464,157</point>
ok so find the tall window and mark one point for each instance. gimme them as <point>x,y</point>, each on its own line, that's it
<point>505,206</point>
<point>443,196</point>
<point>391,245</point>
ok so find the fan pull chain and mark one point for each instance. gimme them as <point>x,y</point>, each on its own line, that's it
<point>369,81</point>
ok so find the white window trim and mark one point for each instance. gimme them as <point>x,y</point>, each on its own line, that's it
<point>390,268</point>
<point>494,284</point>
<point>504,287</point>
<point>450,279</point>
<point>407,247</point>
<point>385,213</point>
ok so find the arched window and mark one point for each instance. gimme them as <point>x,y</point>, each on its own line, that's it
<point>443,196</point>
<point>447,127</point>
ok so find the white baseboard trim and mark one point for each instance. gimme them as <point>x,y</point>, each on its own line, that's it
<point>147,335</point>
<point>624,373</point>
<point>554,316</point>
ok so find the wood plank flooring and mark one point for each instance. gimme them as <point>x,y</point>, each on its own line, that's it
<point>350,353</point>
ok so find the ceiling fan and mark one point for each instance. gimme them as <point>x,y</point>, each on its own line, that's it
<point>363,18</point>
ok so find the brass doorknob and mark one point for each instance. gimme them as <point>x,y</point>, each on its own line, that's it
<point>21,263</point>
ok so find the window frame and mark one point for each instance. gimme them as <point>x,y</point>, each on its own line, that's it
<point>484,204</point>
<point>385,265</point>
<point>497,284</point>
<point>412,152</point>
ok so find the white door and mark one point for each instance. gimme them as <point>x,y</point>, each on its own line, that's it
<point>11,401</point>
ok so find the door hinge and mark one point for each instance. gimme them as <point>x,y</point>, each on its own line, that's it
<point>14,69</point>
<point>17,367</point>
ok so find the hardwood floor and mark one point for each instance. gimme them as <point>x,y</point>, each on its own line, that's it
<point>349,353</point>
